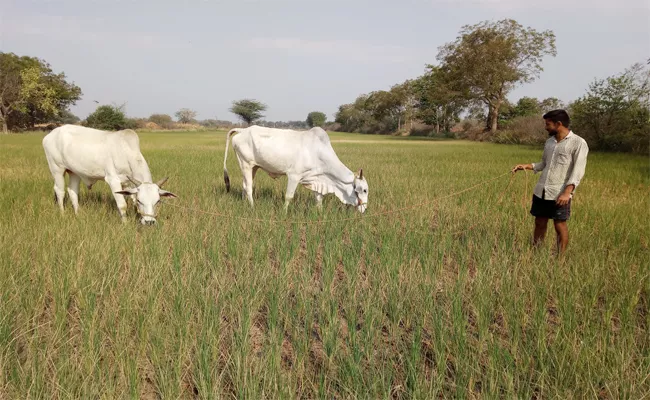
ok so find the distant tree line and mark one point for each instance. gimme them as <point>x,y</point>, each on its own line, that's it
<point>466,95</point>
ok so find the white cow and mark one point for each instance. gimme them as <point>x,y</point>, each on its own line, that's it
<point>90,155</point>
<point>305,157</point>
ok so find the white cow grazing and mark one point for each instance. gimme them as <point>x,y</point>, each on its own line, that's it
<point>90,155</point>
<point>305,157</point>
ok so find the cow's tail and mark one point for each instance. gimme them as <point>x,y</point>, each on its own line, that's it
<point>226,178</point>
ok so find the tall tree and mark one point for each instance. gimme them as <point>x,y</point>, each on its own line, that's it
<point>248,110</point>
<point>406,102</point>
<point>316,118</point>
<point>30,92</point>
<point>490,58</point>
<point>439,103</point>
<point>185,115</point>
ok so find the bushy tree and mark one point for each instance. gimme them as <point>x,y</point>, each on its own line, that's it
<point>31,93</point>
<point>615,112</point>
<point>185,115</point>
<point>162,120</point>
<point>316,118</point>
<point>248,110</point>
<point>525,107</point>
<point>67,117</point>
<point>108,118</point>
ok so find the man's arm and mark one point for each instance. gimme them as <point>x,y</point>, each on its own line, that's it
<point>577,172</point>
<point>579,164</point>
<point>534,166</point>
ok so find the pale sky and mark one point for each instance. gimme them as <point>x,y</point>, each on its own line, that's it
<point>297,56</point>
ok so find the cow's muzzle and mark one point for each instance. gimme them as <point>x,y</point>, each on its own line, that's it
<point>148,220</point>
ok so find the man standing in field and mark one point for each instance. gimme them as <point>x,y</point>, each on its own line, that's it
<point>562,166</point>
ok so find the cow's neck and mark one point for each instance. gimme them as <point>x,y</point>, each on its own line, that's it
<point>341,184</point>
<point>346,193</point>
<point>140,170</point>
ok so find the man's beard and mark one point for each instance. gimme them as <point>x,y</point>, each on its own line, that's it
<point>552,133</point>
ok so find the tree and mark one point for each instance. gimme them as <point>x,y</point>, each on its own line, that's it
<point>185,115</point>
<point>439,104</point>
<point>108,118</point>
<point>489,59</point>
<point>525,107</point>
<point>316,118</point>
<point>162,120</point>
<point>550,104</point>
<point>248,110</point>
<point>30,92</point>
<point>615,112</point>
<point>67,117</point>
<point>406,102</point>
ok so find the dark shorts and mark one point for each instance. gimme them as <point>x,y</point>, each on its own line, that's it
<point>549,209</point>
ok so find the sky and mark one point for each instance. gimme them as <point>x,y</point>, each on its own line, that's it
<point>298,56</point>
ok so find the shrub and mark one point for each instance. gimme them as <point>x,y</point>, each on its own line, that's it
<point>109,118</point>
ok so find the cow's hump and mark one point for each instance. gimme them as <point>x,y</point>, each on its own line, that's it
<point>320,134</point>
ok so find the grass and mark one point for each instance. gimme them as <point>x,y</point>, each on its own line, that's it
<point>447,299</point>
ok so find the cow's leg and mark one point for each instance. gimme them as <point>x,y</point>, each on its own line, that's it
<point>59,188</point>
<point>319,200</point>
<point>292,184</point>
<point>58,174</point>
<point>255,168</point>
<point>120,200</point>
<point>73,190</point>
<point>247,172</point>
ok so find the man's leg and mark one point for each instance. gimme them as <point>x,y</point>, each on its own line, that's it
<point>541,224</point>
<point>562,231</point>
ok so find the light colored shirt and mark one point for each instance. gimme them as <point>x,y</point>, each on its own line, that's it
<point>563,163</point>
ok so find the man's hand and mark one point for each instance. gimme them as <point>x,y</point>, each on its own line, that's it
<point>563,199</point>
<point>565,196</point>
<point>522,167</point>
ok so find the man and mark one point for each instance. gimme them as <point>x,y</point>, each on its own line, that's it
<point>562,166</point>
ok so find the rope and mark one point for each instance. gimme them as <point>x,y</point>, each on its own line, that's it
<point>456,233</point>
<point>358,217</point>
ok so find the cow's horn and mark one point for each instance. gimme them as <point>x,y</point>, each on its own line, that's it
<point>134,181</point>
<point>361,173</point>
<point>161,182</point>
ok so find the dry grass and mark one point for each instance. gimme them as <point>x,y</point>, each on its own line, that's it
<point>444,300</point>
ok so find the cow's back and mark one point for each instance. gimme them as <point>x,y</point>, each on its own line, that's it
<point>281,151</point>
<point>91,153</point>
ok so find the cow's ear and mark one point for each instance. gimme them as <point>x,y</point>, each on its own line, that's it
<point>164,193</point>
<point>127,192</point>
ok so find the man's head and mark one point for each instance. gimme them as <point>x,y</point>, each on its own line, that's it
<point>556,121</point>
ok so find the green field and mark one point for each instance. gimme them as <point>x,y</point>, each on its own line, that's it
<point>446,298</point>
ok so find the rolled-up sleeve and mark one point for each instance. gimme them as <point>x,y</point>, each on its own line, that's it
<point>579,164</point>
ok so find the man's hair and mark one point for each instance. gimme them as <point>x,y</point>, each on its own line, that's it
<point>558,116</point>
